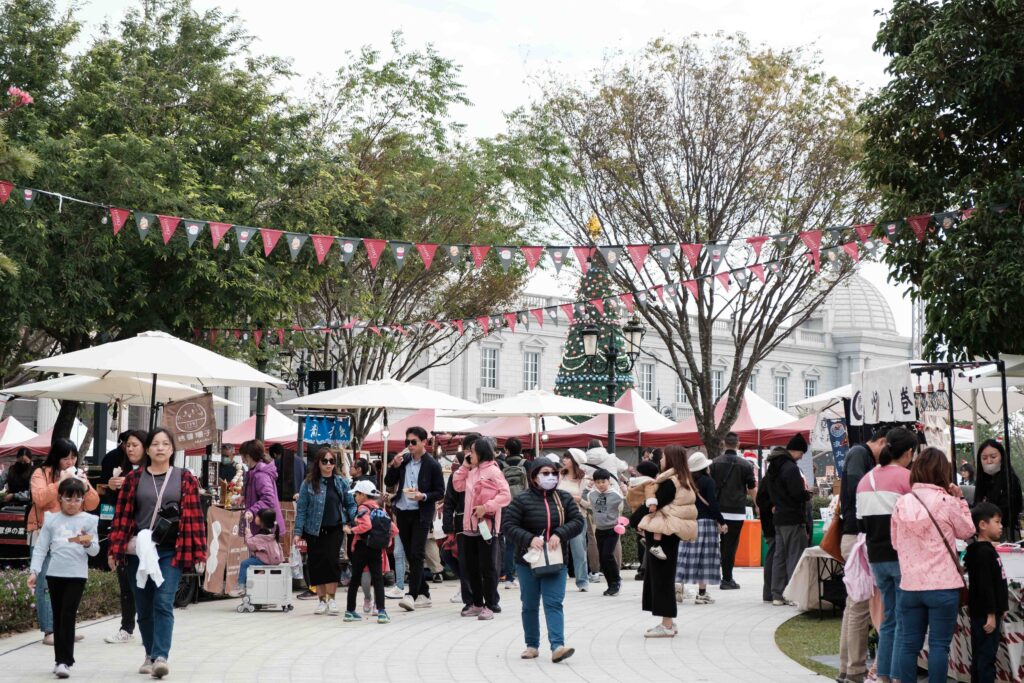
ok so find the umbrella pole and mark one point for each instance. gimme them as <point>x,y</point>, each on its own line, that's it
<point>152,405</point>
<point>385,432</point>
<point>536,437</point>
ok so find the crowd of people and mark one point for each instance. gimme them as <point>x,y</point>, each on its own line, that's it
<point>495,518</point>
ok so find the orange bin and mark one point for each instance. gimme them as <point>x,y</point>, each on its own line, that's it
<point>749,552</point>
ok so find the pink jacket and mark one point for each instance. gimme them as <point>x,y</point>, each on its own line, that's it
<point>264,546</point>
<point>483,485</point>
<point>925,563</point>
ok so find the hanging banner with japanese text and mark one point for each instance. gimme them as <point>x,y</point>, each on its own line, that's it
<point>883,395</point>
<point>193,421</point>
<point>839,440</point>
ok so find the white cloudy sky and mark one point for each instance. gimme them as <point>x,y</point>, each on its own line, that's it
<point>500,45</point>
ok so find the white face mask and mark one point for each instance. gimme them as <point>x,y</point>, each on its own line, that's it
<point>548,481</point>
<point>991,468</point>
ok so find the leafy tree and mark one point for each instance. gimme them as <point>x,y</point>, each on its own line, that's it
<point>687,144</point>
<point>946,132</point>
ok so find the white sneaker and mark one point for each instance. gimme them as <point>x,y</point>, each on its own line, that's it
<point>332,608</point>
<point>121,636</point>
<point>658,552</point>
<point>394,593</point>
<point>367,605</point>
<point>596,577</point>
<point>62,671</point>
<point>704,599</point>
<point>160,668</point>
<point>457,598</point>
<point>407,603</point>
<point>659,631</point>
<point>147,666</point>
<point>321,607</point>
<point>509,585</point>
<point>423,601</point>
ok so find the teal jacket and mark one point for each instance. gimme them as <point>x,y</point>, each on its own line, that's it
<point>309,511</point>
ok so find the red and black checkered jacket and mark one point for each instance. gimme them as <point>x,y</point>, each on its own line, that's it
<point>191,544</point>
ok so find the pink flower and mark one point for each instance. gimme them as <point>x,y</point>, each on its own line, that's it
<point>21,97</point>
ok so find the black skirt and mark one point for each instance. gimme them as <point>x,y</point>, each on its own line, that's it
<point>659,596</point>
<point>322,553</point>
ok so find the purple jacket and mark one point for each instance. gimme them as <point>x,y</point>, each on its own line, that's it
<point>261,492</point>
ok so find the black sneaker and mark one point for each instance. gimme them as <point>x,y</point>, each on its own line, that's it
<point>306,595</point>
<point>496,609</point>
<point>611,591</point>
<point>728,586</point>
<point>438,578</point>
<point>639,576</point>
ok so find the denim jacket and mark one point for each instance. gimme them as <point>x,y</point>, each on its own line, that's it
<point>309,511</point>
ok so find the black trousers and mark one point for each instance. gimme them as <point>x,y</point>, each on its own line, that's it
<point>659,595</point>
<point>360,558</point>
<point>481,571</point>
<point>984,647</point>
<point>607,541</point>
<point>127,599</point>
<point>65,596</point>
<point>730,543</point>
<point>413,529</point>
<point>455,564</point>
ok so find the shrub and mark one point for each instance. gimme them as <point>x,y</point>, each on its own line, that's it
<point>18,604</point>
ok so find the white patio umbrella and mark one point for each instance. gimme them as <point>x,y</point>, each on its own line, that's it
<point>158,355</point>
<point>382,393</point>
<point>539,403</point>
<point>135,391</point>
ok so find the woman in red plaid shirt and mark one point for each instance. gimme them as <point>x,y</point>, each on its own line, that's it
<point>137,510</point>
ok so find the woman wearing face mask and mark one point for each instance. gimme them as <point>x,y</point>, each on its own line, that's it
<point>143,538</point>
<point>61,463</point>
<point>19,478</point>
<point>129,457</point>
<point>541,515</point>
<point>992,485</point>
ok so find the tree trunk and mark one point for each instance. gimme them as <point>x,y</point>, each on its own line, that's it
<point>65,419</point>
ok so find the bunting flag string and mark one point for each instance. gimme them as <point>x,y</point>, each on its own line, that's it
<point>701,258</point>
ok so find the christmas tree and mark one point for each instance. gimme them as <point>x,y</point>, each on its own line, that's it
<point>576,376</point>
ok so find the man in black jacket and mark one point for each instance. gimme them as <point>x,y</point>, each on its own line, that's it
<point>420,484</point>
<point>734,481</point>
<point>788,493</point>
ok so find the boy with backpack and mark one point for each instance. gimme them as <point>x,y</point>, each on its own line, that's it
<point>515,474</point>
<point>372,533</point>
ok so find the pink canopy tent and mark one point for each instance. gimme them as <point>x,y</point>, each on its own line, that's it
<point>756,419</point>
<point>40,445</point>
<point>629,429</point>
<point>521,427</point>
<point>426,418</point>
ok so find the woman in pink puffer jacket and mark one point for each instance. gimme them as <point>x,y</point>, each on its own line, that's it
<point>925,526</point>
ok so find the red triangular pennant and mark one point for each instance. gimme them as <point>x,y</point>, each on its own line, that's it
<point>426,253</point>
<point>168,224</point>
<point>532,256</point>
<point>693,287</point>
<point>568,310</point>
<point>374,250</point>
<point>458,324</point>
<point>257,336</point>
<point>812,240</point>
<point>757,243</point>
<point>659,291</point>
<point>583,255</point>
<point>479,252</point>
<point>118,217</point>
<point>724,279</point>
<point>627,301</point>
<point>758,270</point>
<point>280,336</point>
<point>967,213</point>
<point>270,238</point>
<point>322,245</point>
<point>864,231</point>
<point>238,334</point>
<point>638,254</point>
<point>5,191</point>
<point>852,249</point>
<point>692,252</point>
<point>217,232</point>
<point>213,336</point>
<point>815,258</point>
<point>511,318</point>
<point>919,224</point>
<point>485,323</point>
<point>599,305</point>
<point>433,323</point>
<point>538,313</point>
<point>375,330</point>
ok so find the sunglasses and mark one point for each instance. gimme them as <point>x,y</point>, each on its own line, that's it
<point>411,442</point>
<point>543,472</point>
<point>327,461</point>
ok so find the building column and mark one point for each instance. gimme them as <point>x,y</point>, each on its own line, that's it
<point>46,414</point>
<point>241,412</point>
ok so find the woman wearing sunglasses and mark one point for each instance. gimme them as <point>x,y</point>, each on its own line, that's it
<point>542,515</point>
<point>325,508</point>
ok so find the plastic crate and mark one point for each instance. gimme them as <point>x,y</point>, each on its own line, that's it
<point>268,586</point>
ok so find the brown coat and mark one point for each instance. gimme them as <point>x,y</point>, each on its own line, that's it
<point>679,517</point>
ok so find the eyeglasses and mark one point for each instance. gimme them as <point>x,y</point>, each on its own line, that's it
<point>71,499</point>
<point>411,442</point>
<point>327,461</point>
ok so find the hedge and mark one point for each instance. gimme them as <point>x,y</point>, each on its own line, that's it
<point>18,604</point>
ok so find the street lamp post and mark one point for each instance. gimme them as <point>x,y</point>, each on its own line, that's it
<point>613,360</point>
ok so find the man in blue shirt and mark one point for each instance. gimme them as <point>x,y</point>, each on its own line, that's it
<point>421,486</point>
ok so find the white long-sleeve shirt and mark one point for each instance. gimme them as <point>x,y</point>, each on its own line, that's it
<point>68,560</point>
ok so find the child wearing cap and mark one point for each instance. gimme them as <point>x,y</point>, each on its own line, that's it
<point>363,556</point>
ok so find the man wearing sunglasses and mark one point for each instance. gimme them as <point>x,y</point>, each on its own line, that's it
<point>420,484</point>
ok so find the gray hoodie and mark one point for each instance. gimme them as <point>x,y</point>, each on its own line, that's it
<point>606,507</point>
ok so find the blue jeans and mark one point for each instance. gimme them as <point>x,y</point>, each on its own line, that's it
<point>933,611</point>
<point>399,563</point>
<point>984,648</point>
<point>578,548</point>
<point>44,612</point>
<point>531,591</point>
<point>155,606</point>
<point>887,578</point>
<point>508,559</point>
<point>243,569</point>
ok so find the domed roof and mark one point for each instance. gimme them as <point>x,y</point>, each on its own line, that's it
<point>856,304</point>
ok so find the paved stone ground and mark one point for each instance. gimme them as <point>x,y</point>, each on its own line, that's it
<point>730,641</point>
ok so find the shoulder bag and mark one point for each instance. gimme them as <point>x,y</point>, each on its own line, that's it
<point>952,555</point>
<point>165,519</point>
<point>832,541</point>
<point>551,562</point>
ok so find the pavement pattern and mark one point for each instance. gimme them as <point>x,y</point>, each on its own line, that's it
<point>729,641</point>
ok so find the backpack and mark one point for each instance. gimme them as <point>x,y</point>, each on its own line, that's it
<point>515,475</point>
<point>379,535</point>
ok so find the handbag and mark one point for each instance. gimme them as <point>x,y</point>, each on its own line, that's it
<point>551,562</point>
<point>832,541</point>
<point>956,560</point>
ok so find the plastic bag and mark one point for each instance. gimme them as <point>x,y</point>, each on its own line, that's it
<point>296,562</point>
<point>860,584</point>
